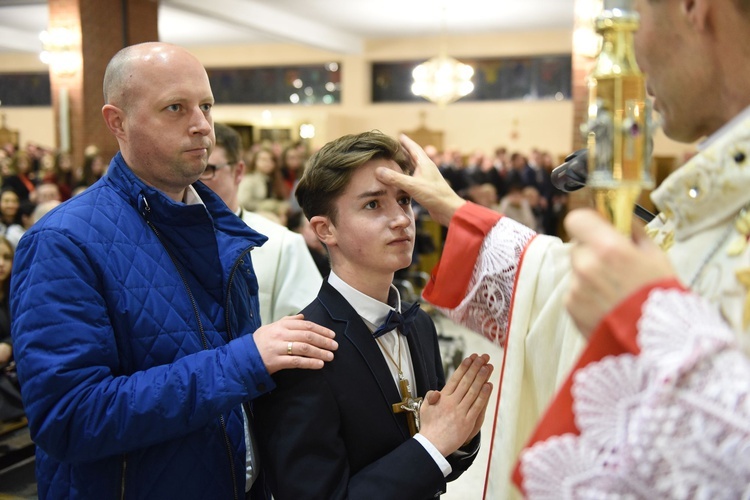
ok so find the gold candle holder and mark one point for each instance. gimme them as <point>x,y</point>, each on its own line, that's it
<point>618,132</point>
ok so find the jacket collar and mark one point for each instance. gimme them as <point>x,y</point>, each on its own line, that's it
<point>162,210</point>
<point>371,310</point>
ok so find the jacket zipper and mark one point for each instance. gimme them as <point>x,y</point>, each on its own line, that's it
<point>122,480</point>
<point>237,264</point>
<point>230,335</point>
<point>204,341</point>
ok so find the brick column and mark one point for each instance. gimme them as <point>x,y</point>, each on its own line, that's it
<point>102,27</point>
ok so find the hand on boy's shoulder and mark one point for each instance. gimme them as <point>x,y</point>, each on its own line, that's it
<point>293,342</point>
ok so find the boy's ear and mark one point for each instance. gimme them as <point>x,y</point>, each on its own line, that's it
<point>323,229</point>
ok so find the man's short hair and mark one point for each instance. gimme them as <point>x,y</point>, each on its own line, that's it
<point>229,139</point>
<point>115,77</point>
<point>329,171</point>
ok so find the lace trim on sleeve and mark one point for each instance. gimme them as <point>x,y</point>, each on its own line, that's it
<point>677,330</point>
<point>486,307</point>
<point>672,422</point>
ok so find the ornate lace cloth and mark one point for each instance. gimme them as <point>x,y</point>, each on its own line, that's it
<point>671,423</point>
<point>486,307</point>
<point>509,301</point>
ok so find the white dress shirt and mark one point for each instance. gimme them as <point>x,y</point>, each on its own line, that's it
<point>373,313</point>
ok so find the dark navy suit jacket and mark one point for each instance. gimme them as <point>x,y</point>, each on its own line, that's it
<point>332,434</point>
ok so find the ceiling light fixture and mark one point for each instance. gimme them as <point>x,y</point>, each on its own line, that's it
<point>442,79</point>
<point>60,50</point>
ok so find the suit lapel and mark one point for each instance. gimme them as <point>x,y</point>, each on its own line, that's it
<point>356,332</point>
<point>417,355</point>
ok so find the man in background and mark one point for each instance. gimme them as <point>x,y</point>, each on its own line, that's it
<point>288,278</point>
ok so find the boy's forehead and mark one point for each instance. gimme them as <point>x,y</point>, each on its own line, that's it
<point>366,171</point>
<point>380,162</point>
<point>363,181</point>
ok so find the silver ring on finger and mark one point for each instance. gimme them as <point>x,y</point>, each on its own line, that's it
<point>289,347</point>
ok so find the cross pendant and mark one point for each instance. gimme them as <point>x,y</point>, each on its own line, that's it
<point>408,404</point>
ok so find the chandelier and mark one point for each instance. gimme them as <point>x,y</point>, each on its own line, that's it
<point>442,80</point>
<point>61,50</point>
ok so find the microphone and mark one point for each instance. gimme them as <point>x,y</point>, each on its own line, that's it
<point>571,176</point>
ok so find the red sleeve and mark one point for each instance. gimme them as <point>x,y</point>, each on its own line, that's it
<point>616,334</point>
<point>467,229</point>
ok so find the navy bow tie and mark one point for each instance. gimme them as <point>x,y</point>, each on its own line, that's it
<point>395,319</point>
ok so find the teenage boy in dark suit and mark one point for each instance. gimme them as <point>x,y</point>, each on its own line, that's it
<point>350,429</point>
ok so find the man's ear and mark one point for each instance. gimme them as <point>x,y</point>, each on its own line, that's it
<point>323,229</point>
<point>239,172</point>
<point>114,118</point>
<point>696,13</point>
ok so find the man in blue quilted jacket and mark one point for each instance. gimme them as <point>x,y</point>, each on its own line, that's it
<point>135,309</point>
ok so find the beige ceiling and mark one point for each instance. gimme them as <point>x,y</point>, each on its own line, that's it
<point>336,25</point>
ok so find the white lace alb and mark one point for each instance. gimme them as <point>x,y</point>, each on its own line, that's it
<point>486,307</point>
<point>671,423</point>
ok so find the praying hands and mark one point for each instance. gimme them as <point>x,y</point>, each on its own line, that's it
<point>452,417</point>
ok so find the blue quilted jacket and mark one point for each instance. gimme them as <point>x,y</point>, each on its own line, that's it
<point>132,321</point>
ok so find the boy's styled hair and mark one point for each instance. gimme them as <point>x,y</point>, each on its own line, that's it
<point>229,139</point>
<point>329,171</point>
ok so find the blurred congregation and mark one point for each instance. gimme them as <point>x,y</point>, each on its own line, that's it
<point>513,183</point>
<point>37,177</point>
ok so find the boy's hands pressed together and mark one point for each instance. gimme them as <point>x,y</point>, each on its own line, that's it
<point>453,416</point>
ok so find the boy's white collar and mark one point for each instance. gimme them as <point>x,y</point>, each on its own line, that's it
<point>371,310</point>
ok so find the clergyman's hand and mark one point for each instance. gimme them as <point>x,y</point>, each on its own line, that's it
<point>427,185</point>
<point>293,342</point>
<point>607,267</point>
<point>455,417</point>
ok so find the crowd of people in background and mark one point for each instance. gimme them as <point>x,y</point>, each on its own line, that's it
<point>35,179</point>
<point>513,183</point>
